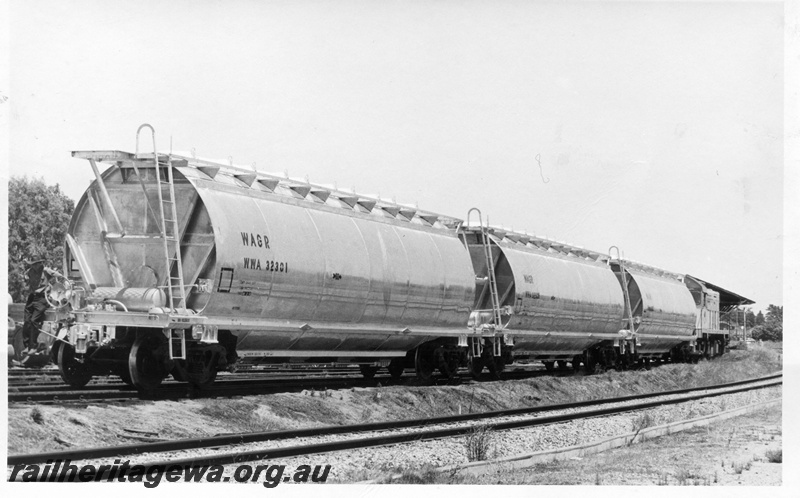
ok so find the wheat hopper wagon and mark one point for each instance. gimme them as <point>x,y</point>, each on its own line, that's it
<point>193,263</point>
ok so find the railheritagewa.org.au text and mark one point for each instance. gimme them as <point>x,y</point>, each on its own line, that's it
<point>153,475</point>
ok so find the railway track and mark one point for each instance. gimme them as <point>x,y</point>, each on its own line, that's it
<point>109,389</point>
<point>393,432</point>
<point>40,376</point>
<point>97,383</point>
<point>179,390</point>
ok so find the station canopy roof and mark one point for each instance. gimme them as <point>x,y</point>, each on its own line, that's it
<point>727,299</point>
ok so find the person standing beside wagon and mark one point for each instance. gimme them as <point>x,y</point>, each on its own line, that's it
<point>39,278</point>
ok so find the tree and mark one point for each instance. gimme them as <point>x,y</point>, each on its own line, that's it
<point>772,329</point>
<point>734,318</point>
<point>760,318</point>
<point>38,218</point>
<point>751,318</point>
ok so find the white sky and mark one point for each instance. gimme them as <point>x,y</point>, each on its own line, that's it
<point>658,125</point>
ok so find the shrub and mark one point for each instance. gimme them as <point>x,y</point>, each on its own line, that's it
<point>775,456</point>
<point>37,415</point>
<point>478,442</point>
<point>738,468</point>
<point>642,421</point>
<point>420,476</point>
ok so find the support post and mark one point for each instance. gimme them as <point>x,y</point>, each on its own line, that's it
<point>106,197</point>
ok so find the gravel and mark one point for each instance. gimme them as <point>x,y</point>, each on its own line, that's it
<point>362,464</point>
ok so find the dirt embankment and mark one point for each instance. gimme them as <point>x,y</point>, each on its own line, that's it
<point>47,428</point>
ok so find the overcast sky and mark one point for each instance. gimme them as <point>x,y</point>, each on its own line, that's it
<point>658,127</point>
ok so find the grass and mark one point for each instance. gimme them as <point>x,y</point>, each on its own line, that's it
<point>425,475</point>
<point>37,415</point>
<point>774,456</point>
<point>686,477</point>
<point>730,437</point>
<point>478,443</point>
<point>642,421</point>
<point>238,414</point>
<point>739,467</point>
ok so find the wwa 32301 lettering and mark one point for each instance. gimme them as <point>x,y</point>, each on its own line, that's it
<point>269,265</point>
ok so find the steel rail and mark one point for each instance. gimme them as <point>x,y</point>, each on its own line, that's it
<point>18,375</point>
<point>56,381</point>
<point>183,390</point>
<point>233,439</point>
<point>240,379</point>
<point>60,393</point>
<point>229,381</point>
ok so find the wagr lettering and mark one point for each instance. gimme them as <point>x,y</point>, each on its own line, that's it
<point>255,240</point>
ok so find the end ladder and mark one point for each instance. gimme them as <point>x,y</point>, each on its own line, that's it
<point>624,276</point>
<point>169,228</point>
<point>487,253</point>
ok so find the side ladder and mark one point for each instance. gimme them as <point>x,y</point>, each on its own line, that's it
<point>170,231</point>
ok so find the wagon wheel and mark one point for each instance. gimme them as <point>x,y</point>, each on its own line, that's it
<point>549,365</point>
<point>447,363</point>
<point>54,351</point>
<point>368,371</point>
<point>200,372</point>
<point>576,363</point>
<point>590,365</point>
<point>496,365</point>
<point>73,372</point>
<point>396,368</point>
<point>475,365</point>
<point>178,373</point>
<point>144,366</point>
<point>424,365</point>
<point>17,341</point>
<point>125,375</point>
